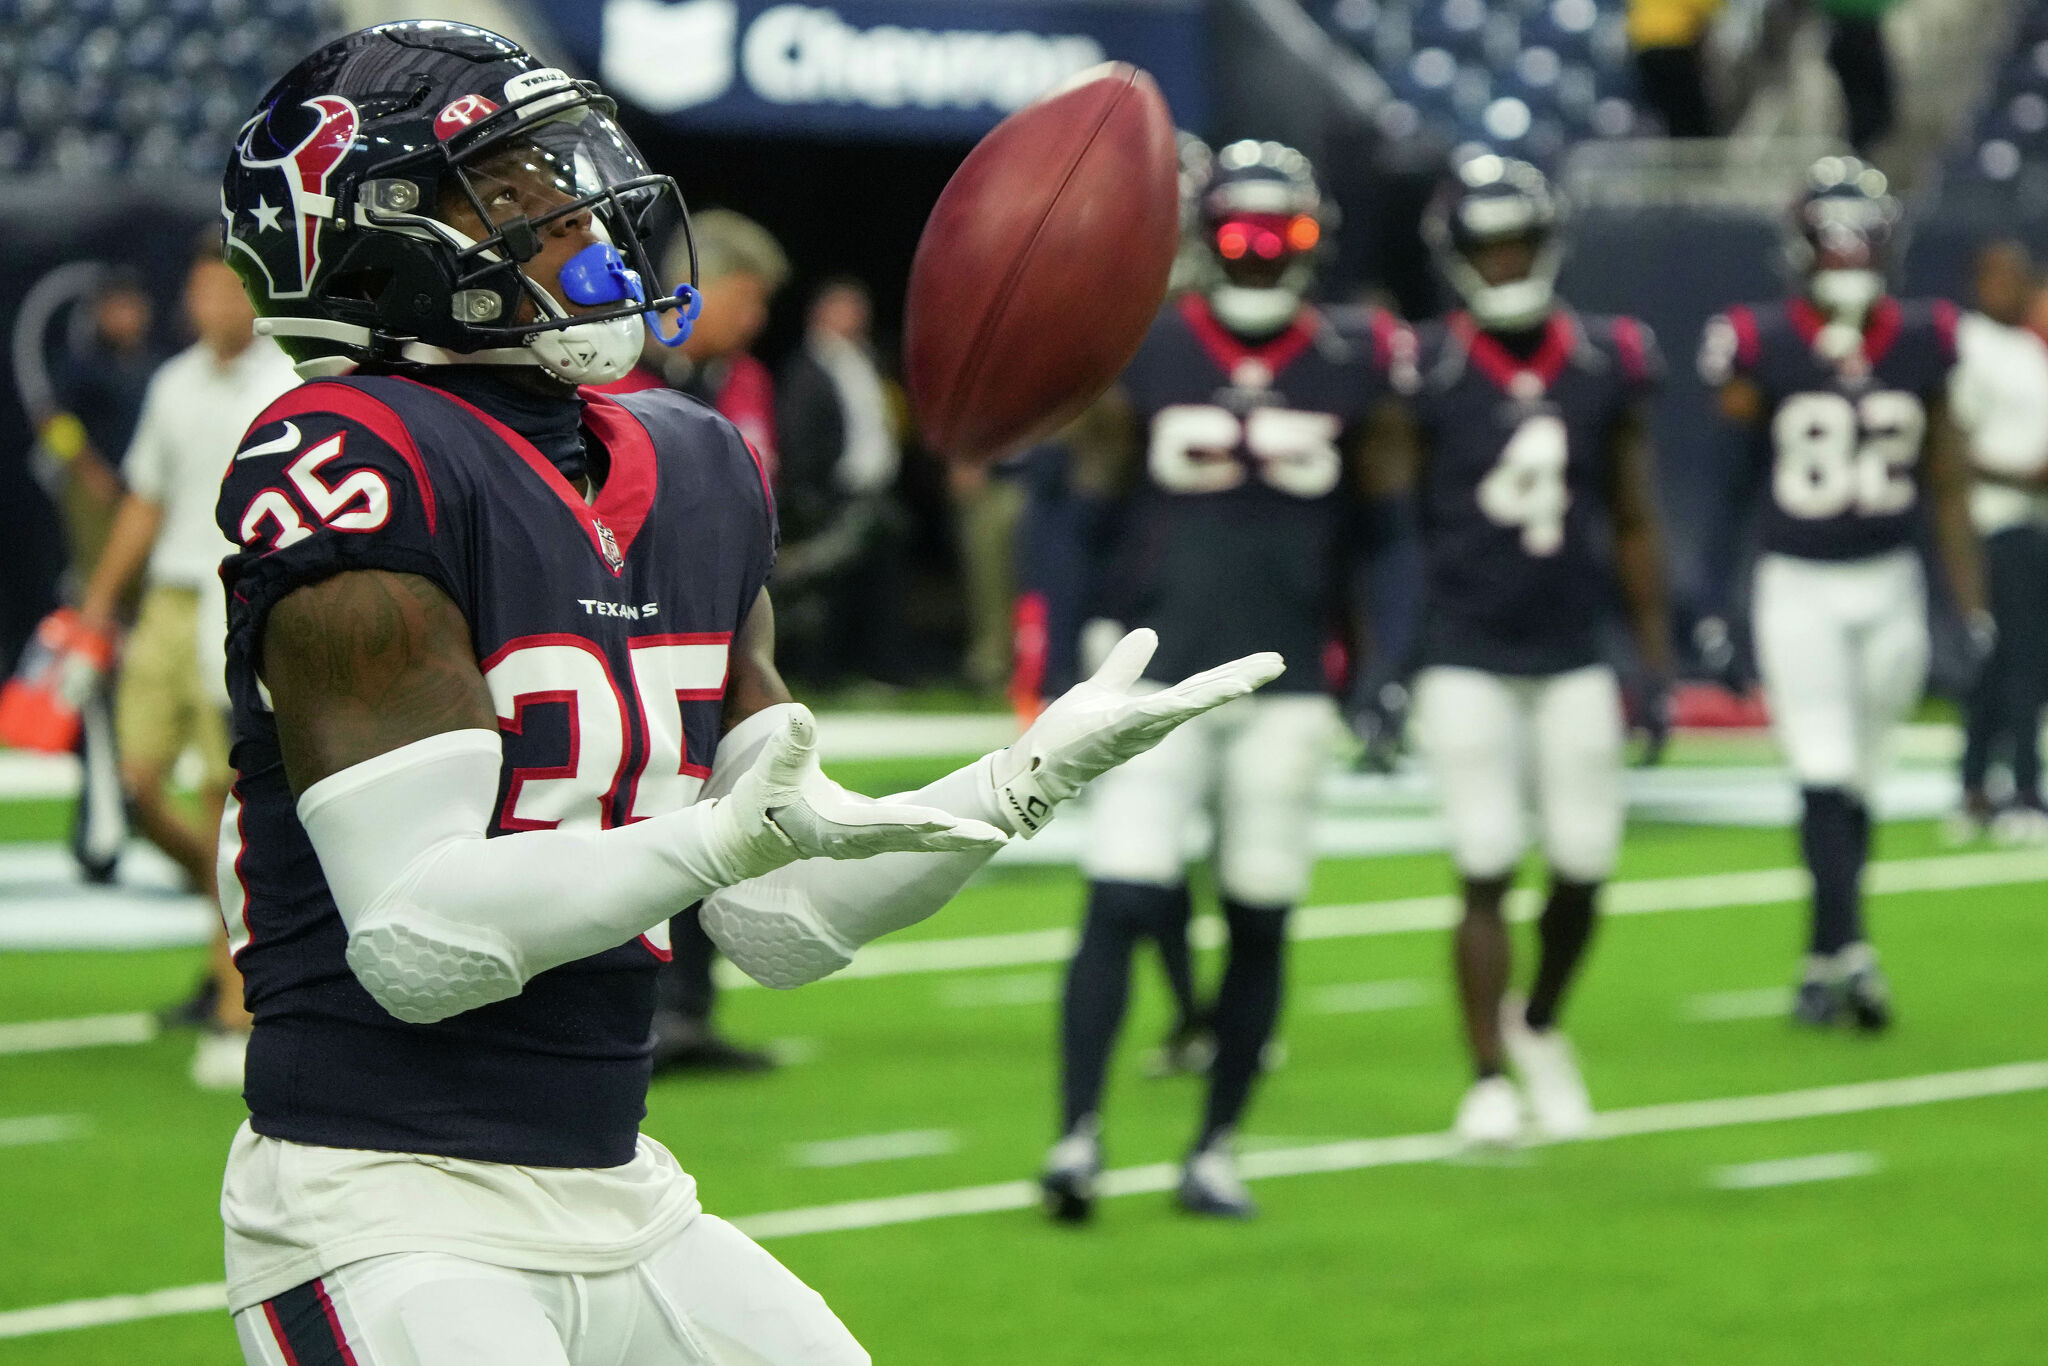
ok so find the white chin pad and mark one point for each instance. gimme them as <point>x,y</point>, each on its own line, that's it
<point>1517,304</point>
<point>589,353</point>
<point>1847,295</point>
<point>1254,312</point>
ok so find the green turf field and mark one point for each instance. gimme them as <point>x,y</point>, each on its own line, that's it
<point>1621,1250</point>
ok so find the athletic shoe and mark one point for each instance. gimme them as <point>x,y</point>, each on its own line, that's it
<point>1972,822</point>
<point>1068,1178</point>
<point>196,1011</point>
<point>1187,1051</point>
<point>218,1061</point>
<point>1549,1072</point>
<point>1864,989</point>
<point>1209,1184</point>
<point>2021,825</point>
<point>1490,1115</point>
<point>1817,1004</point>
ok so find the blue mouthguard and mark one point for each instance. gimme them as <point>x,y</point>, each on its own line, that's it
<point>597,275</point>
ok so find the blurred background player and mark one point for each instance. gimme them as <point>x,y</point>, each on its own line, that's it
<point>1999,397</point>
<point>171,697</point>
<point>740,266</point>
<point>1232,437</point>
<point>1844,389</point>
<point>1530,454</point>
<point>87,396</point>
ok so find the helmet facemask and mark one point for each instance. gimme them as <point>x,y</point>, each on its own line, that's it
<point>1262,224</point>
<point>436,259</point>
<point>1502,202</point>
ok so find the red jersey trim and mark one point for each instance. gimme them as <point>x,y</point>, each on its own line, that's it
<point>1634,351</point>
<point>347,401</point>
<point>1882,329</point>
<point>1501,365</point>
<point>1749,345</point>
<point>1229,352</point>
<point>627,497</point>
<point>1946,319</point>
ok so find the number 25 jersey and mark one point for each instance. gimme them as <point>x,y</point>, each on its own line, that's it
<point>1844,437</point>
<point>1233,541</point>
<point>602,631</point>
<point>1513,487</point>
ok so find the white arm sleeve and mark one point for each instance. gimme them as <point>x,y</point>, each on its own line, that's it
<point>804,921</point>
<point>442,920</point>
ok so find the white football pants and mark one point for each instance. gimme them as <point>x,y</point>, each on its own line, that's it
<point>1496,742</point>
<point>1842,648</point>
<point>709,1297</point>
<point>1256,764</point>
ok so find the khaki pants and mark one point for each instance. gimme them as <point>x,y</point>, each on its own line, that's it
<point>163,705</point>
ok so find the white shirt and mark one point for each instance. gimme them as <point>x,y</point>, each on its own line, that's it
<point>1998,393</point>
<point>869,458</point>
<point>193,418</point>
<point>294,1211</point>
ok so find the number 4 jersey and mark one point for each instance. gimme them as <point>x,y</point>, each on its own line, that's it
<point>1234,541</point>
<point>1513,487</point>
<point>602,630</point>
<point>1845,435</point>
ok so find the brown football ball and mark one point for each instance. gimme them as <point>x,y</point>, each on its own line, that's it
<point>1042,265</point>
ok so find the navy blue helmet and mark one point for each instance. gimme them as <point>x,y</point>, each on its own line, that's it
<point>1491,199</point>
<point>342,198</point>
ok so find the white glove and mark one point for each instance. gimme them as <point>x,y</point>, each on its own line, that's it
<point>1096,725</point>
<point>783,808</point>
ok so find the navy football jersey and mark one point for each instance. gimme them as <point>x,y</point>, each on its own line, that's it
<point>603,631</point>
<point>1232,542</point>
<point>1513,487</point>
<point>1844,437</point>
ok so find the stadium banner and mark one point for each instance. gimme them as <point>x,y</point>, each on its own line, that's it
<point>937,70</point>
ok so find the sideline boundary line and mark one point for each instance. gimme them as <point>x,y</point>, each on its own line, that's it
<point>1350,1155</point>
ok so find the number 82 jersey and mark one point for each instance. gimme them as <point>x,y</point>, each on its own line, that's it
<point>1845,435</point>
<point>1513,487</point>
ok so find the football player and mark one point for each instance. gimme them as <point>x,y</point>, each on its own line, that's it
<point>1230,441</point>
<point>1844,388</point>
<point>505,700</point>
<point>1529,457</point>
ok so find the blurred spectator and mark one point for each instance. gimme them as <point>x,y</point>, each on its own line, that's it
<point>170,696</point>
<point>840,573</point>
<point>740,266</point>
<point>1863,64</point>
<point>988,503</point>
<point>1999,393</point>
<point>98,384</point>
<point>1668,37</point>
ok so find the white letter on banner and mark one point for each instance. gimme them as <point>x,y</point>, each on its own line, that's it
<point>668,57</point>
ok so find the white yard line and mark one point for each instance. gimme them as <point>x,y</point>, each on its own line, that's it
<point>82,1031</point>
<point>1756,1003</point>
<point>23,1130</point>
<point>1793,1171</point>
<point>850,1152</point>
<point>1350,1155</point>
<point>1358,998</point>
<point>1001,989</point>
<point>1403,915</point>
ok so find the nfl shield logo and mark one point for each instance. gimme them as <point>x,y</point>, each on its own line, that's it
<point>610,543</point>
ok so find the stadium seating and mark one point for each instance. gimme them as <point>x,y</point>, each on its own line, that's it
<point>2004,153</point>
<point>92,89</point>
<point>1525,76</point>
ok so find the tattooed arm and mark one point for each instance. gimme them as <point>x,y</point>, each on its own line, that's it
<point>363,663</point>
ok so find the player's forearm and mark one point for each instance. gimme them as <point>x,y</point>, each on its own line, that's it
<point>806,921</point>
<point>442,920</point>
<point>127,550</point>
<point>1639,555</point>
<point>1962,565</point>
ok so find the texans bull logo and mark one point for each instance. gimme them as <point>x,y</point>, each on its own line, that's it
<point>280,229</point>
